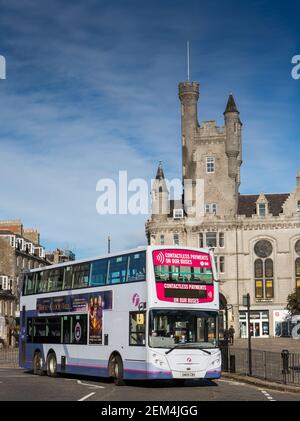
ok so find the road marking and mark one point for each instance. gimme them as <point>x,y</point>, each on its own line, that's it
<point>92,386</point>
<point>86,397</point>
<point>268,396</point>
<point>232,382</point>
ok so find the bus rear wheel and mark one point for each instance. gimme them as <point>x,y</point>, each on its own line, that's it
<point>38,364</point>
<point>116,366</point>
<point>51,365</point>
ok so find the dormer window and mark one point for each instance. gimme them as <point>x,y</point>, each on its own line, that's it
<point>178,213</point>
<point>262,205</point>
<point>262,209</point>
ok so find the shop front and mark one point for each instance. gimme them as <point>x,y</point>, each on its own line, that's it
<point>259,324</point>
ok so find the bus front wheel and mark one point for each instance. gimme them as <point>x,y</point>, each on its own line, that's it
<point>38,364</point>
<point>51,365</point>
<point>116,366</point>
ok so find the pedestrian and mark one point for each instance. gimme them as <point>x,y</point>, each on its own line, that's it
<point>226,336</point>
<point>231,334</point>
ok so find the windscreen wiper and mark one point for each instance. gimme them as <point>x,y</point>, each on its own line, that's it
<point>182,346</point>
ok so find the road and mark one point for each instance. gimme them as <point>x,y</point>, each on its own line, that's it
<point>15,384</point>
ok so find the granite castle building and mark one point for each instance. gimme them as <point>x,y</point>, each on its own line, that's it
<point>256,238</point>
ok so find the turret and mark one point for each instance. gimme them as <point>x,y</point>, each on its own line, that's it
<point>188,95</point>
<point>233,128</point>
<point>160,195</point>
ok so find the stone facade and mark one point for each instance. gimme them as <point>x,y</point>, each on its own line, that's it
<point>19,251</point>
<point>60,256</point>
<point>256,238</point>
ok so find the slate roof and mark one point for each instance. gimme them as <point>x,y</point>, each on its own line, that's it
<point>247,203</point>
<point>231,105</point>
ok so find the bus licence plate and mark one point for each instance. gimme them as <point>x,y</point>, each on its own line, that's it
<point>188,374</point>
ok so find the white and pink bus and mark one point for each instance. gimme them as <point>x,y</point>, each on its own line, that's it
<point>147,313</point>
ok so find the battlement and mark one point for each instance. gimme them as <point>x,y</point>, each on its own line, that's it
<point>210,128</point>
<point>188,88</point>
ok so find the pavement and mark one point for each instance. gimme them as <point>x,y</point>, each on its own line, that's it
<point>269,344</point>
<point>17,384</point>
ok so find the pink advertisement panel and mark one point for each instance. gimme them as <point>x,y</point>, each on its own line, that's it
<point>181,258</point>
<point>183,293</point>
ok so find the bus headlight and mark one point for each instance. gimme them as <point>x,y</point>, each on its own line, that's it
<point>160,361</point>
<point>216,362</point>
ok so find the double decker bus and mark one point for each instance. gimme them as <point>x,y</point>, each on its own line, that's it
<point>147,313</point>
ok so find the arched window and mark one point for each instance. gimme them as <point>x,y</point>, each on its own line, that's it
<point>263,270</point>
<point>297,272</point>
<point>258,268</point>
<point>269,278</point>
<point>258,274</point>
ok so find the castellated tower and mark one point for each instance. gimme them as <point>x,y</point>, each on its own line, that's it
<point>211,153</point>
<point>233,127</point>
<point>189,95</point>
<point>160,195</point>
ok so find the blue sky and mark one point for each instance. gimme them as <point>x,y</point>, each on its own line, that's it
<point>92,88</point>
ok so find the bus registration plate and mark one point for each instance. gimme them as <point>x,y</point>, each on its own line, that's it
<point>188,374</point>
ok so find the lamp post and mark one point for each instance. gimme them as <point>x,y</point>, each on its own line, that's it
<point>227,307</point>
<point>108,244</point>
<point>246,303</point>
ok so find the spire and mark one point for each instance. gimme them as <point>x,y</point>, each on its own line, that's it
<point>160,172</point>
<point>231,106</point>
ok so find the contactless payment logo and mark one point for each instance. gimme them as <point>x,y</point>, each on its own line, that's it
<point>136,299</point>
<point>77,332</point>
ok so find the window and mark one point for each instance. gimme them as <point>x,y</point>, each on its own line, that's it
<point>214,208</point>
<point>68,277</point>
<point>221,239</point>
<point>66,329</point>
<point>178,213</point>
<point>13,241</point>
<point>221,264</point>
<point>79,329</point>
<point>298,206</point>
<point>264,275</point>
<point>137,329</point>
<point>176,239</point>
<point>263,248</point>
<point>170,327</point>
<point>262,209</point>
<point>81,274</point>
<point>46,330</point>
<point>162,240</point>
<point>30,284</point>
<point>201,240</point>
<point>183,275</point>
<point>258,289</point>
<point>136,267</point>
<point>297,272</point>
<point>42,281</point>
<point>29,330</point>
<point>210,165</point>
<point>117,270</point>
<point>99,272</point>
<point>211,239</point>
<point>207,208</point>
<point>55,281</point>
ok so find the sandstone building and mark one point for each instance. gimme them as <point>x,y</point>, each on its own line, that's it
<point>256,238</point>
<point>20,250</point>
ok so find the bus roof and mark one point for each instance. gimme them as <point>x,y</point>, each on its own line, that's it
<point>121,253</point>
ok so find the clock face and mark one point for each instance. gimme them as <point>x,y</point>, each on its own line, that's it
<point>263,248</point>
<point>297,247</point>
